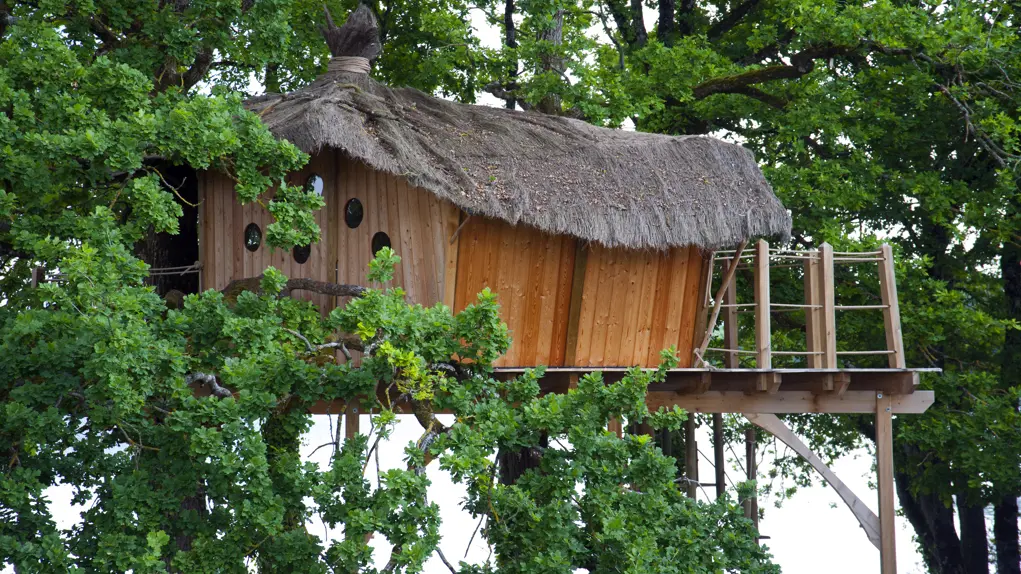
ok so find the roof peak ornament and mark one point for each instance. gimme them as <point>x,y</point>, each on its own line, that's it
<point>353,42</point>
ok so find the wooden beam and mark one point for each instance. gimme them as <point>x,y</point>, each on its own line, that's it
<point>615,427</point>
<point>829,318</point>
<point>866,518</point>
<point>574,311</point>
<point>690,456</point>
<point>704,383</point>
<point>719,460</point>
<point>813,315</point>
<point>837,383</point>
<point>751,505</point>
<point>702,315</point>
<point>763,351</point>
<point>768,382</point>
<point>787,402</point>
<point>730,327</point>
<point>891,312</point>
<point>885,408</point>
<point>351,419</point>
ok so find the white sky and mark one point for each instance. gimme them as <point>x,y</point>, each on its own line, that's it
<point>812,532</point>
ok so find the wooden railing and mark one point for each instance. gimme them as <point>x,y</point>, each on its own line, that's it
<point>819,305</point>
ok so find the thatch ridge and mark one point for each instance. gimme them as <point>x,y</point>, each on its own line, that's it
<point>563,176</point>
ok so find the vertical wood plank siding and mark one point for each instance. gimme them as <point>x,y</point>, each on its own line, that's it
<point>525,267</point>
<point>636,303</point>
<point>631,304</point>
<point>406,214</point>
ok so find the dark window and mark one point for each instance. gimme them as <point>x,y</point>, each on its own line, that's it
<point>379,241</point>
<point>314,184</point>
<point>253,237</point>
<point>353,213</point>
<point>301,253</point>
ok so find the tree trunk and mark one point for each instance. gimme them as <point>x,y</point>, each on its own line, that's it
<point>161,250</point>
<point>974,544</point>
<point>511,41</point>
<point>932,520</point>
<point>551,60</point>
<point>1005,512</point>
<point>1005,531</point>
<point>514,463</point>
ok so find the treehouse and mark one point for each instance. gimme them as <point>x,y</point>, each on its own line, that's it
<point>602,246</point>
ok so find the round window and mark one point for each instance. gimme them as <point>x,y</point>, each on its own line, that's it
<point>301,253</point>
<point>314,184</point>
<point>379,241</point>
<point>253,237</point>
<point>353,213</point>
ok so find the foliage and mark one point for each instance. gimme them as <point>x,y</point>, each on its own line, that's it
<point>893,121</point>
<point>101,397</point>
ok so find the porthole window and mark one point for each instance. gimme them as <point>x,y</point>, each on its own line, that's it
<point>301,253</point>
<point>353,213</point>
<point>314,184</point>
<point>379,241</point>
<point>253,237</point>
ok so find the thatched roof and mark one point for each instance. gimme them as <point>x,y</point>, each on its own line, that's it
<point>560,175</point>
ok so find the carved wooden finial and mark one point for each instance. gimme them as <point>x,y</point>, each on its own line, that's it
<point>358,37</point>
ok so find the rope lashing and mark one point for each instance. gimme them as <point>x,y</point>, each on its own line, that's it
<point>352,64</point>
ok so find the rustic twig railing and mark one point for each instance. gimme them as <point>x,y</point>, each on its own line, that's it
<point>819,305</point>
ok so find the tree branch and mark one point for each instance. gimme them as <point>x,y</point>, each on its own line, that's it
<point>209,380</point>
<point>254,284</point>
<point>801,64</point>
<point>731,19</point>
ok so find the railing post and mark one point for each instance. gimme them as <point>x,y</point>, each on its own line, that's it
<point>763,352</point>
<point>829,317</point>
<point>891,310</point>
<point>813,314</point>
<point>732,360</point>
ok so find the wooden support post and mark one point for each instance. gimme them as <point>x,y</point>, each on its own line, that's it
<point>751,505</point>
<point>829,317</point>
<point>718,459</point>
<point>615,427</point>
<point>763,352</point>
<point>351,418</point>
<point>884,466</point>
<point>731,361</point>
<point>691,456</point>
<point>891,313</point>
<point>813,315</point>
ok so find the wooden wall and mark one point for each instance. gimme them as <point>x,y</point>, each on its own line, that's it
<point>627,305</point>
<point>222,222</point>
<point>566,304</point>
<point>418,223</point>
<point>531,272</point>
<point>636,303</point>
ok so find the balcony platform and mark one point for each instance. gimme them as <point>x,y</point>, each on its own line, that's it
<point>773,391</point>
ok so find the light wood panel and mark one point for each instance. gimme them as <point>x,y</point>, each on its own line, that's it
<point>637,303</point>
<point>531,273</point>
<point>416,221</point>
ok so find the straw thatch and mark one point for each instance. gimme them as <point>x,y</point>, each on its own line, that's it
<point>560,175</point>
